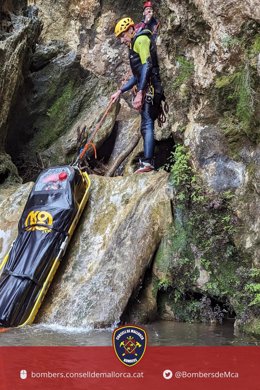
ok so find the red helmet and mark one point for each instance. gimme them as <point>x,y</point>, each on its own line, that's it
<point>147,4</point>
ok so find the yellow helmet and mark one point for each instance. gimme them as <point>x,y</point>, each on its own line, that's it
<point>123,25</point>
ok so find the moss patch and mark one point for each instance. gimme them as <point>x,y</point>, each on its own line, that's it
<point>185,69</point>
<point>253,327</point>
<point>202,239</point>
<point>255,47</point>
<point>238,95</point>
<point>58,117</point>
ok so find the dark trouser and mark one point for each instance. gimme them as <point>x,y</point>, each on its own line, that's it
<point>149,113</point>
<point>147,131</point>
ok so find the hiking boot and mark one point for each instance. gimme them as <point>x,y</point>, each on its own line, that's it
<point>144,167</point>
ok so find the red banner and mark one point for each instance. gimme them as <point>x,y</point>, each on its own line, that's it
<point>98,368</point>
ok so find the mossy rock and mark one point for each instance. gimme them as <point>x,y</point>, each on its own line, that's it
<point>252,327</point>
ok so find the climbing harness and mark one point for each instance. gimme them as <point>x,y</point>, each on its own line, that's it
<point>149,95</point>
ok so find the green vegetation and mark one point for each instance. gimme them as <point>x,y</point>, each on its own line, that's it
<point>58,113</point>
<point>243,94</point>
<point>202,238</point>
<point>185,71</point>
<point>234,131</point>
<point>163,284</point>
<point>61,103</point>
<point>181,172</point>
<point>58,118</point>
<point>186,310</point>
<point>253,287</point>
<point>210,224</point>
<point>224,81</point>
<point>238,95</point>
<point>229,42</point>
<point>255,47</point>
<point>252,327</point>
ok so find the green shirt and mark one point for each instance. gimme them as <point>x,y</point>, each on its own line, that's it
<point>142,47</point>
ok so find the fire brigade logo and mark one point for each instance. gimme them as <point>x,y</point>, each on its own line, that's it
<point>129,344</point>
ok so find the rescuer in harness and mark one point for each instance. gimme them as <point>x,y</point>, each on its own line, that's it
<point>148,22</point>
<point>149,95</point>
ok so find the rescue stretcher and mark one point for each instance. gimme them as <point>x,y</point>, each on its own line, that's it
<point>46,226</point>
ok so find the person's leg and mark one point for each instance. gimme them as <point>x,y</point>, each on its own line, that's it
<point>147,131</point>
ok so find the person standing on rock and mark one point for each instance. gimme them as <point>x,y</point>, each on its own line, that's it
<point>143,62</point>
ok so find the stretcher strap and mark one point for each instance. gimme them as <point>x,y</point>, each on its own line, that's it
<point>25,228</point>
<point>22,276</point>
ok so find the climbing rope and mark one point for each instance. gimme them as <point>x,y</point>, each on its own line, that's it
<point>90,143</point>
<point>163,111</point>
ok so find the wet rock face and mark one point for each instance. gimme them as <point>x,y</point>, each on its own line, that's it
<point>67,20</point>
<point>210,153</point>
<point>15,47</point>
<point>209,58</point>
<point>223,174</point>
<point>207,46</point>
<point>12,202</point>
<point>117,236</point>
<point>57,97</point>
<point>231,14</point>
<point>209,31</point>
<point>119,232</point>
<point>248,208</point>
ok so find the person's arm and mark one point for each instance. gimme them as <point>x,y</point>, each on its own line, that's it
<point>145,74</point>
<point>126,87</point>
<point>129,84</point>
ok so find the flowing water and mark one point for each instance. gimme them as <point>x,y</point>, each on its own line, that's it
<point>159,333</point>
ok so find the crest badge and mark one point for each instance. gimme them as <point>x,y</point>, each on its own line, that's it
<point>129,343</point>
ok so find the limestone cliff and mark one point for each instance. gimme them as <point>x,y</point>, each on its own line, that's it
<point>207,266</point>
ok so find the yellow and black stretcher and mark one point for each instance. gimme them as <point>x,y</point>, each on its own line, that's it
<point>46,226</point>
